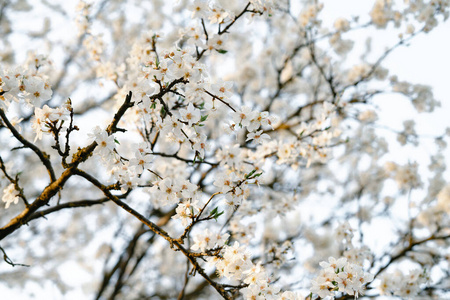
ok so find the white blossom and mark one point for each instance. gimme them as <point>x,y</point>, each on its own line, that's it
<point>10,195</point>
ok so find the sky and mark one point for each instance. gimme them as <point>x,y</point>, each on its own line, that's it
<point>426,60</point>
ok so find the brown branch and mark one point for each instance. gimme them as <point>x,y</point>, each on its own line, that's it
<point>138,258</point>
<point>328,79</point>
<point>51,190</point>
<point>186,280</point>
<point>73,204</point>
<point>9,261</point>
<point>381,59</point>
<point>196,219</point>
<point>235,19</point>
<point>112,128</point>
<point>56,185</point>
<point>409,248</point>
<point>45,159</point>
<point>221,100</point>
<point>123,262</point>
<point>156,229</point>
<point>183,159</point>
<point>225,30</point>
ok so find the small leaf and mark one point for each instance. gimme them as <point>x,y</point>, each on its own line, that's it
<point>214,211</point>
<point>250,174</point>
<point>217,215</point>
<point>221,51</point>
<point>203,118</point>
<point>116,141</point>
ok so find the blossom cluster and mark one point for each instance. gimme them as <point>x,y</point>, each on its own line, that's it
<point>421,95</point>
<point>19,83</point>
<point>208,240</point>
<point>235,264</point>
<point>435,216</point>
<point>46,119</point>
<point>340,275</point>
<point>252,121</point>
<point>230,184</point>
<point>424,12</point>
<point>105,143</point>
<point>223,11</point>
<point>169,191</point>
<point>10,195</point>
<point>311,142</point>
<point>406,177</point>
<point>403,285</point>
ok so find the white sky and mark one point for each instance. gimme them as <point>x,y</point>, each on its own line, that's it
<point>425,61</point>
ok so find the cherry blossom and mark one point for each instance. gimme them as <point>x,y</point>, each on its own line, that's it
<point>10,195</point>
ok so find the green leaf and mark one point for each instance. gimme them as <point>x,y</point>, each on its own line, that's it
<point>117,142</point>
<point>221,51</point>
<point>250,174</point>
<point>214,211</point>
<point>217,215</point>
<point>203,118</point>
<point>153,106</point>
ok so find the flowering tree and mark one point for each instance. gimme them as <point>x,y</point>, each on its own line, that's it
<point>214,149</point>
